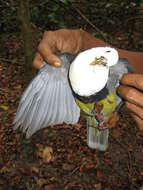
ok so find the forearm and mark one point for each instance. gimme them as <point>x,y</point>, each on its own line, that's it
<point>135,58</point>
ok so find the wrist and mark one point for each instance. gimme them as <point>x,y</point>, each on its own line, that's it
<point>89,41</point>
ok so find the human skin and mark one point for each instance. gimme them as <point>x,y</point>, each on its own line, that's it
<point>75,41</point>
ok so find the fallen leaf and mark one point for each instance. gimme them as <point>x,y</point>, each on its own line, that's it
<point>18,87</point>
<point>4,170</point>
<point>99,175</point>
<point>81,169</point>
<point>41,182</point>
<point>142,173</point>
<point>116,133</point>
<point>68,167</point>
<point>48,187</point>
<point>113,119</point>
<point>39,150</point>
<point>98,186</point>
<point>0,67</point>
<point>22,170</point>
<point>3,107</point>
<point>77,126</point>
<point>90,166</point>
<point>47,154</point>
<point>35,169</point>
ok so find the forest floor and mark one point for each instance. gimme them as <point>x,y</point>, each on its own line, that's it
<point>58,158</point>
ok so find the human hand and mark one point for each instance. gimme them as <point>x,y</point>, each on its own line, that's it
<point>74,41</point>
<point>53,42</point>
<point>131,89</point>
<point>63,41</point>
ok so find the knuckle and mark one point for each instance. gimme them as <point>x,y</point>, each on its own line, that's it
<point>140,82</point>
<point>127,105</point>
<point>141,115</point>
<point>141,127</point>
<point>47,34</point>
<point>131,94</point>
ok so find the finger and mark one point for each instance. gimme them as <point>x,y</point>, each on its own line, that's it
<point>48,56</point>
<point>113,119</point>
<point>68,41</point>
<point>139,121</point>
<point>38,61</point>
<point>135,80</point>
<point>47,48</point>
<point>135,109</point>
<point>130,94</point>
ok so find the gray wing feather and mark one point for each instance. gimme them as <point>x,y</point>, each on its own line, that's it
<point>48,100</point>
<point>115,74</point>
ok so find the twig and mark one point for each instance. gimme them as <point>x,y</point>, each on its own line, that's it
<point>84,17</point>
<point>118,142</point>
<point>89,22</point>
<point>129,162</point>
<point>4,59</point>
<point>133,18</point>
<point>74,171</point>
<point>36,27</point>
<point>9,61</point>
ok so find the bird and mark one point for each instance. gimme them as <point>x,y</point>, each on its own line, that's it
<point>85,83</point>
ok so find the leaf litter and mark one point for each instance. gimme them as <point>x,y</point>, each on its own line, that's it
<point>58,158</point>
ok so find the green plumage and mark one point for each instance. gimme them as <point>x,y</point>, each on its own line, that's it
<point>95,137</point>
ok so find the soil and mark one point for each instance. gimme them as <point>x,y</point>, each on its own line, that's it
<point>57,157</point>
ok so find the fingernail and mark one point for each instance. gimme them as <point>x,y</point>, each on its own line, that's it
<point>57,64</point>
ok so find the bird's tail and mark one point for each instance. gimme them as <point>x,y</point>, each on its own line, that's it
<point>96,139</point>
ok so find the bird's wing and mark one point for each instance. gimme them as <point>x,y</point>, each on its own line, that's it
<point>115,74</point>
<point>48,100</point>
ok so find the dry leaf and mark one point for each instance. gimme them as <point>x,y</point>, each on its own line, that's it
<point>77,126</point>
<point>41,182</point>
<point>35,169</point>
<point>113,119</point>
<point>116,133</point>
<point>99,175</point>
<point>3,107</point>
<point>48,187</point>
<point>98,186</point>
<point>47,154</point>
<point>142,173</point>
<point>68,167</point>
<point>0,67</point>
<point>4,170</point>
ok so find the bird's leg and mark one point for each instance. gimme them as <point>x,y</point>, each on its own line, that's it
<point>97,110</point>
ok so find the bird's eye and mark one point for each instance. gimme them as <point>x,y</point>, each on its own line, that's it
<point>108,51</point>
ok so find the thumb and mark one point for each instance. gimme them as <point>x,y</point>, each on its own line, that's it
<point>53,60</point>
<point>47,54</point>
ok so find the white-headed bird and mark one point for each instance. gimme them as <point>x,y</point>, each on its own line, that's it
<point>86,83</point>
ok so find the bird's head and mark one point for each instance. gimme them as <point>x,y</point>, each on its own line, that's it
<point>89,72</point>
